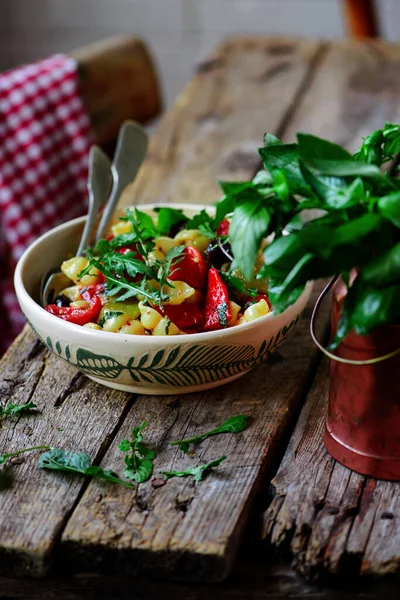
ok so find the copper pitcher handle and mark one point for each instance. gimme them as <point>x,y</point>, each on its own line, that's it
<point>346,361</point>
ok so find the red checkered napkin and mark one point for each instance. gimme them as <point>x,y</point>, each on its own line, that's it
<point>45,138</point>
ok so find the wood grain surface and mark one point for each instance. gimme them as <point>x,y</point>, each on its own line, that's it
<point>185,529</point>
<point>75,414</point>
<point>332,520</point>
<point>247,87</point>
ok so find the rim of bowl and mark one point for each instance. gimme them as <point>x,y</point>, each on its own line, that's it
<point>131,338</point>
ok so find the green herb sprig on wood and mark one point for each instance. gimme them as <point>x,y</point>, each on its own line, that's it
<point>231,425</point>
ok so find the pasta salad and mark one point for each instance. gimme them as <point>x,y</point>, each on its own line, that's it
<point>160,276</point>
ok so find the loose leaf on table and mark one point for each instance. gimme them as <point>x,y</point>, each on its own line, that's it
<point>77,462</point>
<point>139,458</point>
<point>196,472</point>
<point>232,425</point>
<point>16,410</point>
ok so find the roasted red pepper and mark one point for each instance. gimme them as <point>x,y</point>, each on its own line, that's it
<point>89,291</point>
<point>217,313</point>
<point>191,269</point>
<point>184,316</point>
<point>79,316</point>
<point>223,227</point>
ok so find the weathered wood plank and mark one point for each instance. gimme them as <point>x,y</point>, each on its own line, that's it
<point>328,517</point>
<point>354,91</point>
<point>182,529</point>
<point>331,519</point>
<point>248,86</point>
<point>74,414</point>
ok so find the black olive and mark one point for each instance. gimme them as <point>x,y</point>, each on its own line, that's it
<point>217,256</point>
<point>177,227</point>
<point>62,300</point>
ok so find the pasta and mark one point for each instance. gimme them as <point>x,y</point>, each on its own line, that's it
<point>141,282</point>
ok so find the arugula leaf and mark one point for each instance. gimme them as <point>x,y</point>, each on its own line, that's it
<point>167,218</point>
<point>248,227</point>
<point>232,425</point>
<point>16,410</point>
<point>196,472</point>
<point>139,458</point>
<point>77,462</point>
<point>6,456</point>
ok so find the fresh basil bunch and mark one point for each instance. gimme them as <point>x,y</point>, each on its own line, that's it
<point>358,223</point>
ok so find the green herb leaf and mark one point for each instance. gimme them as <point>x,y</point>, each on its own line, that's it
<point>77,462</point>
<point>384,270</point>
<point>286,158</point>
<point>139,458</point>
<point>196,472</point>
<point>232,425</point>
<point>167,218</point>
<point>389,207</point>
<point>17,410</point>
<point>248,227</point>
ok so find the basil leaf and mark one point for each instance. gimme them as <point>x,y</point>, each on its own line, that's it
<point>286,158</point>
<point>374,308</point>
<point>167,218</point>
<point>384,270</point>
<point>249,225</point>
<point>389,207</point>
<point>311,147</point>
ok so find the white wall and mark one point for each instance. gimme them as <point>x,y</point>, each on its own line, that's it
<point>180,32</point>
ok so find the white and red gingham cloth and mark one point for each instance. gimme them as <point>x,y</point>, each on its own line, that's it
<point>45,138</point>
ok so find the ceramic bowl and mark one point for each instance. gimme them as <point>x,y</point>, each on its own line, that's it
<point>144,364</point>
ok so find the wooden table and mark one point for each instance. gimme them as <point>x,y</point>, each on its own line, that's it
<point>87,538</point>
